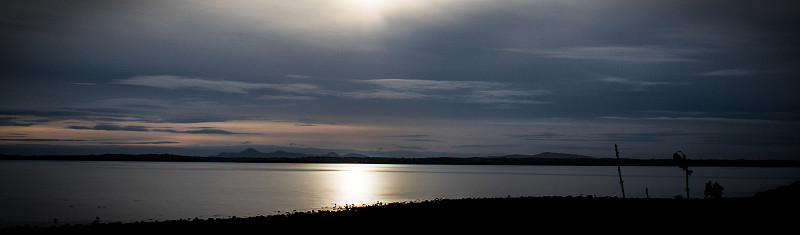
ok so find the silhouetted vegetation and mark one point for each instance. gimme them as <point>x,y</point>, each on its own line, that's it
<point>766,212</point>
<point>713,190</point>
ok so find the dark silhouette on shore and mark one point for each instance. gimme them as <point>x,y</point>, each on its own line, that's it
<point>619,171</point>
<point>766,212</point>
<point>683,163</point>
<point>351,158</point>
<point>713,191</point>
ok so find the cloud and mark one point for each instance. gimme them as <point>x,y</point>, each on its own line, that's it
<point>423,140</point>
<point>506,97</point>
<point>299,76</point>
<point>43,140</point>
<point>708,120</point>
<point>632,82</point>
<point>288,97</point>
<point>179,82</point>
<point>114,127</point>
<point>209,131</point>
<point>142,143</point>
<point>723,120</point>
<point>408,136</point>
<point>110,127</point>
<point>479,92</point>
<point>158,142</point>
<point>729,73</point>
<point>415,138</point>
<point>14,121</point>
<point>199,130</point>
<point>385,94</point>
<point>412,147</point>
<point>642,54</point>
<point>484,146</point>
<point>639,137</point>
<point>538,136</point>
<point>416,85</point>
<point>674,112</point>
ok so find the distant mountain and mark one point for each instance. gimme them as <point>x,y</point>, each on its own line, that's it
<point>252,153</point>
<point>548,155</point>
<point>355,155</point>
<point>331,154</point>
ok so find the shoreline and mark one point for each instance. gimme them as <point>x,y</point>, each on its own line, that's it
<point>424,160</point>
<point>771,210</point>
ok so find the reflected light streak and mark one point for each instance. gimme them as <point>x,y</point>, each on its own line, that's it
<point>356,184</point>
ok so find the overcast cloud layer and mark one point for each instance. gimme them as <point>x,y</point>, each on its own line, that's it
<point>715,79</point>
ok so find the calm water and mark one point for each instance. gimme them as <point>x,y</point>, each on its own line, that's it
<point>41,192</point>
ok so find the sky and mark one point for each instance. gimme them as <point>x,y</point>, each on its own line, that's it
<point>713,79</point>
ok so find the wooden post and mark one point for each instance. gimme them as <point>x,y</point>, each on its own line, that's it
<point>619,171</point>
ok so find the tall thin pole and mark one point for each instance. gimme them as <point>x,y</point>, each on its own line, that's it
<point>683,163</point>
<point>687,183</point>
<point>619,171</point>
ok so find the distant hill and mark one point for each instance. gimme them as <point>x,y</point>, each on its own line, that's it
<point>252,153</point>
<point>331,154</point>
<point>548,155</point>
<point>290,157</point>
<point>354,155</point>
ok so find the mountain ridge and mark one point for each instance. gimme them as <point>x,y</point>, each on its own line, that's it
<point>253,153</point>
<point>550,155</point>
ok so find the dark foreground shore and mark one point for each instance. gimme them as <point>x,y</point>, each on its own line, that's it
<point>769,212</point>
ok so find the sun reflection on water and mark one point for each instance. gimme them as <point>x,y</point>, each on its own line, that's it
<point>356,184</point>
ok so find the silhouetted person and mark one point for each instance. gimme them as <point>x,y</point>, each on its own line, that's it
<point>707,191</point>
<point>716,190</point>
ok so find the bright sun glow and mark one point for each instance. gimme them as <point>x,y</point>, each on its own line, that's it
<point>366,11</point>
<point>367,3</point>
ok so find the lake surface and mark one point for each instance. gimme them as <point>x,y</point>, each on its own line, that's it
<point>57,192</point>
